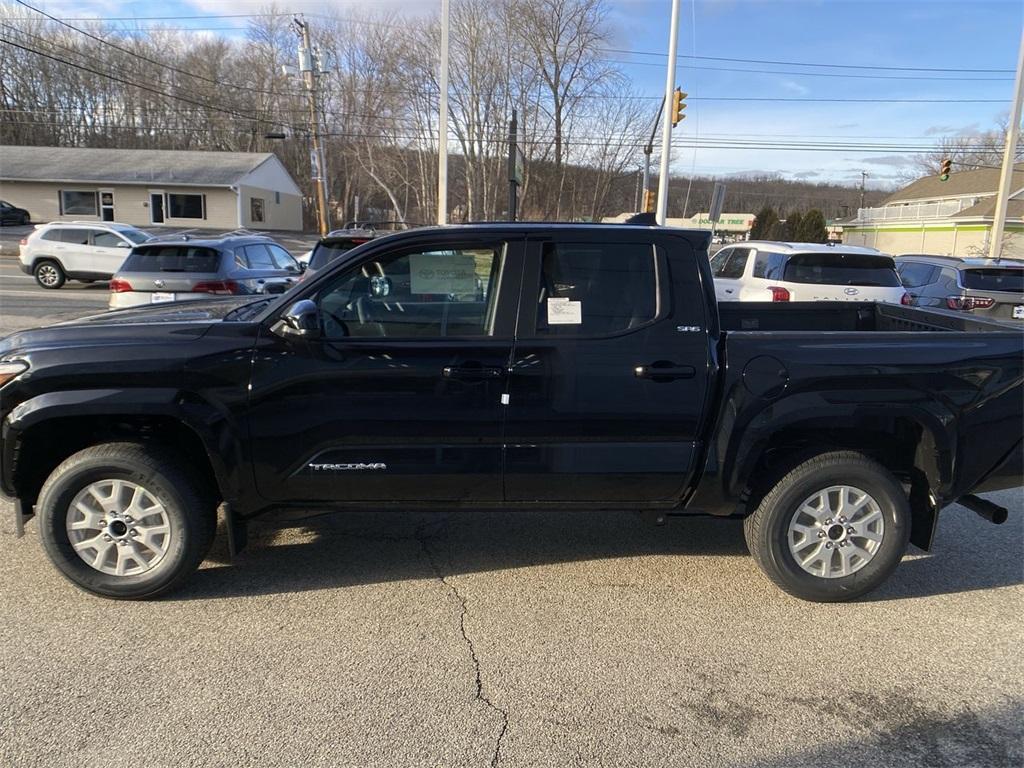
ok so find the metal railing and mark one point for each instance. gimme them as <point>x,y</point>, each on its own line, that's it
<point>912,212</point>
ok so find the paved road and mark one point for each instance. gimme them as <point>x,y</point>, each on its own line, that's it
<point>23,304</point>
<point>534,639</point>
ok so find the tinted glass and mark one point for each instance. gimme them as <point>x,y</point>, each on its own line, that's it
<point>842,269</point>
<point>283,259</point>
<point>185,206</point>
<point>989,279</point>
<point>259,257</point>
<point>75,236</point>
<point>592,289</point>
<point>719,260</point>
<point>325,253</point>
<point>432,294</point>
<point>51,234</point>
<point>769,265</point>
<point>736,265</point>
<point>172,258</point>
<point>915,274</point>
<point>107,240</point>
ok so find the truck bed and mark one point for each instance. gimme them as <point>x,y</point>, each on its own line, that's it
<point>850,316</point>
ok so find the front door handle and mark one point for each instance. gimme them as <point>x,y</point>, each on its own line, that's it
<point>664,371</point>
<point>471,372</point>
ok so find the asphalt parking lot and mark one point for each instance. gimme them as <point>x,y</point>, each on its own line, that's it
<point>530,639</point>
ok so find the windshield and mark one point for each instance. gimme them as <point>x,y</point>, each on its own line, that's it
<point>1010,280</point>
<point>325,253</point>
<point>842,269</point>
<point>135,235</point>
<point>172,258</point>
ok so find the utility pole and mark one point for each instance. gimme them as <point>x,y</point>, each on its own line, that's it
<point>442,122</point>
<point>648,197</point>
<point>863,180</point>
<point>513,174</point>
<point>310,69</point>
<point>1006,175</point>
<point>666,125</point>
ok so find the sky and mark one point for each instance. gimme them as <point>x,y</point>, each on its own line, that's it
<point>856,37</point>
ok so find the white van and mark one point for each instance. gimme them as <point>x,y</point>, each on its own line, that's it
<point>771,271</point>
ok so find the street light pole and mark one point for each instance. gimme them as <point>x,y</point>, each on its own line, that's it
<point>666,125</point>
<point>442,122</point>
<point>1006,175</point>
<point>308,67</point>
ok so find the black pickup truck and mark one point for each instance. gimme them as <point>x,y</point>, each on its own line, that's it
<point>511,365</point>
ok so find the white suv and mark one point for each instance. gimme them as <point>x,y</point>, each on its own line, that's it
<point>77,250</point>
<point>769,271</point>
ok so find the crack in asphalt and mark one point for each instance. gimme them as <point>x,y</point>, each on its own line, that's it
<point>464,612</point>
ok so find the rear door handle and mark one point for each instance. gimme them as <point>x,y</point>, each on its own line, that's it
<point>471,372</point>
<point>662,371</point>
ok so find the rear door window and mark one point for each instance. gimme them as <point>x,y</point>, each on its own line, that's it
<point>842,269</point>
<point>595,289</point>
<point>719,260</point>
<point>75,236</point>
<point>259,257</point>
<point>769,265</point>
<point>107,240</point>
<point>172,258</point>
<point>991,279</point>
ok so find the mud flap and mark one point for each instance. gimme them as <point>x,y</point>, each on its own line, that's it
<point>924,517</point>
<point>237,530</point>
<point>20,518</point>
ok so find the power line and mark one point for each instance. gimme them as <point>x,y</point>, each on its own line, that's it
<point>140,56</point>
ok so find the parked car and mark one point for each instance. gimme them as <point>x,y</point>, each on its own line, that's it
<point>77,250</point>
<point>10,214</point>
<point>335,244</point>
<point>985,287</point>
<point>186,269</point>
<point>516,365</point>
<point>772,271</point>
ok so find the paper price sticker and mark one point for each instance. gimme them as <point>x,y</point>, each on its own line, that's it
<point>565,312</point>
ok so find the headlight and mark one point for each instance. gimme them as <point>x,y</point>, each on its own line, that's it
<point>11,369</point>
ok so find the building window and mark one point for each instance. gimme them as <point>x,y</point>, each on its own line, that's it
<point>256,210</point>
<point>182,206</point>
<point>277,198</point>
<point>77,203</point>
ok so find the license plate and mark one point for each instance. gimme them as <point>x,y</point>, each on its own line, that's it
<point>1018,312</point>
<point>160,298</point>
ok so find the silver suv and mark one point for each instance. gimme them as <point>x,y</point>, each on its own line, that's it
<point>177,270</point>
<point>986,287</point>
<point>77,250</point>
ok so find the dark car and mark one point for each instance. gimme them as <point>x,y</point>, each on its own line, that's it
<point>991,288</point>
<point>11,214</point>
<point>521,366</point>
<point>176,270</point>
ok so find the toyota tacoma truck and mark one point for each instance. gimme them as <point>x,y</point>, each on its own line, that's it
<point>514,366</point>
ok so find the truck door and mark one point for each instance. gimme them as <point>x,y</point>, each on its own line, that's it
<point>609,372</point>
<point>401,397</point>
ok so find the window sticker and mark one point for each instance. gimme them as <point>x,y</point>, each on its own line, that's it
<point>562,311</point>
<point>442,274</point>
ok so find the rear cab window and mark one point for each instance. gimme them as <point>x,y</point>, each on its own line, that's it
<point>172,258</point>
<point>326,252</point>
<point>1007,280</point>
<point>831,268</point>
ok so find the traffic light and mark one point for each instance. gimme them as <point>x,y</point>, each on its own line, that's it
<point>678,105</point>
<point>944,170</point>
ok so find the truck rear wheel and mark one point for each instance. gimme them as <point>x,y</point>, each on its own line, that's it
<point>832,529</point>
<point>124,520</point>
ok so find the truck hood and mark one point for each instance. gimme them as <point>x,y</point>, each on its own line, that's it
<point>156,324</point>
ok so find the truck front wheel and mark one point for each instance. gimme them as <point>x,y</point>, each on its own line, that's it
<point>831,529</point>
<point>125,520</point>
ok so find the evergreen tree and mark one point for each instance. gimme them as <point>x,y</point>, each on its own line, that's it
<point>765,224</point>
<point>812,227</point>
<point>793,221</point>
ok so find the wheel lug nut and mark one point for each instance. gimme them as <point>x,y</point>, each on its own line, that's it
<point>828,545</point>
<point>829,521</point>
<point>821,535</point>
<point>842,519</point>
<point>849,529</point>
<point>107,538</point>
<point>134,532</point>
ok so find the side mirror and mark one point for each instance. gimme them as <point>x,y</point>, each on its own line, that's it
<point>300,320</point>
<point>303,266</point>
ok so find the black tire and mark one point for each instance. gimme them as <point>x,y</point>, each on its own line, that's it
<point>767,529</point>
<point>190,510</point>
<point>24,220</point>
<point>49,274</point>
